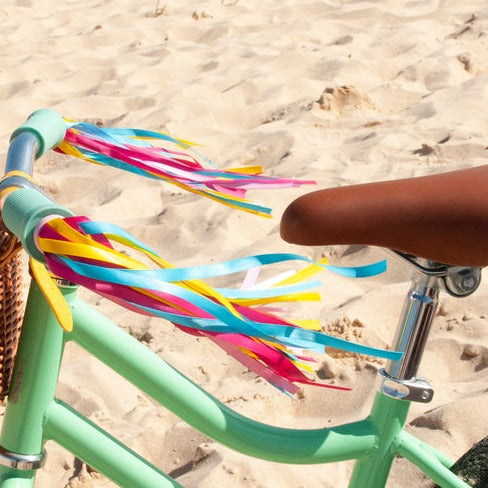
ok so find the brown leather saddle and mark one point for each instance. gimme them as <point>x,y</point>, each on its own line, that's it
<point>442,217</point>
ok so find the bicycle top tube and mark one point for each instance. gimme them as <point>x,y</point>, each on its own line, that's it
<point>442,217</point>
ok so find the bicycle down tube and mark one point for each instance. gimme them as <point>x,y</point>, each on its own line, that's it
<point>34,415</point>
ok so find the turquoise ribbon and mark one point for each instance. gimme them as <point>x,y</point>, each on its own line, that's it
<point>232,266</point>
<point>287,335</point>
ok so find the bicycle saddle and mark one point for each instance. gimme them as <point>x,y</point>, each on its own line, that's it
<point>442,217</point>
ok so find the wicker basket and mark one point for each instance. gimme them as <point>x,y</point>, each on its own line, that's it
<point>11,305</point>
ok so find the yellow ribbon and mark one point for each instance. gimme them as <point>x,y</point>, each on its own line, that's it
<point>52,294</point>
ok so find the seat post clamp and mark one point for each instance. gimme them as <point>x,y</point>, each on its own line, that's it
<point>23,462</point>
<point>414,390</point>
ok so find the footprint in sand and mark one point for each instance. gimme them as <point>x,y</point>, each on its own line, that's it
<point>291,109</point>
<point>343,98</point>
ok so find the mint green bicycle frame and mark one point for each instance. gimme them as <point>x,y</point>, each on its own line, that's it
<point>34,415</point>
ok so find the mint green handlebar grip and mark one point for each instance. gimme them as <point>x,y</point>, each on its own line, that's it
<point>22,211</point>
<point>48,127</point>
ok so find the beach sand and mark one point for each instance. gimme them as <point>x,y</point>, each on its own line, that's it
<point>337,91</point>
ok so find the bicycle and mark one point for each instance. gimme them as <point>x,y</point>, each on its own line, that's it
<point>34,415</point>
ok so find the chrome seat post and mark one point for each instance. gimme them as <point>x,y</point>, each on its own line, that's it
<point>400,378</point>
<point>414,326</point>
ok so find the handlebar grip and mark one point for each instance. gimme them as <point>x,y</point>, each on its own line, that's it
<point>22,211</point>
<point>48,127</point>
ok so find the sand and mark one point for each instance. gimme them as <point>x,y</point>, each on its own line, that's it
<point>337,91</point>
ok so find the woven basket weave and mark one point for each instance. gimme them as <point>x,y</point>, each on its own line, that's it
<point>11,305</point>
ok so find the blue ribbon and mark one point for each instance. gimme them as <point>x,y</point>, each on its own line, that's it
<point>287,335</point>
<point>232,266</point>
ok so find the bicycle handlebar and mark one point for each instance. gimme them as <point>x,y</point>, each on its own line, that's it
<point>22,211</point>
<point>24,208</point>
<point>47,126</point>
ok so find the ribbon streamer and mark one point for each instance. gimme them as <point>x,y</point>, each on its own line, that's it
<point>237,320</point>
<point>129,150</point>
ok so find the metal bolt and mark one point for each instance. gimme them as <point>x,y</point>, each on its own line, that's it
<point>468,282</point>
